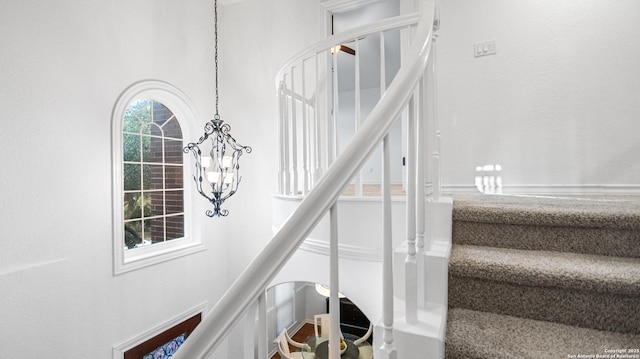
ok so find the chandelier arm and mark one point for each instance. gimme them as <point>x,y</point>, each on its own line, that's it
<point>235,145</point>
<point>197,179</point>
<point>201,191</point>
<point>233,190</point>
<point>225,128</point>
<point>209,129</point>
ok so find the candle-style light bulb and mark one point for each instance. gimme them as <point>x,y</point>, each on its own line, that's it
<point>214,178</point>
<point>205,162</point>
<point>226,162</point>
<point>228,178</point>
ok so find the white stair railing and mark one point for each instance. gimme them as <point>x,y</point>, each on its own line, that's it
<point>324,191</point>
<point>309,104</point>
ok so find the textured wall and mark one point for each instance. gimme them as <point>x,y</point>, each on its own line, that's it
<point>64,63</point>
<point>558,103</point>
<point>257,38</point>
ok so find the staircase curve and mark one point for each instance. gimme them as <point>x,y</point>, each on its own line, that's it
<point>406,95</point>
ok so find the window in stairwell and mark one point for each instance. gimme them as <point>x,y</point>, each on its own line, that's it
<point>151,216</point>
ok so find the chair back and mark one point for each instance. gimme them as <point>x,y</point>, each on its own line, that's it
<point>321,325</point>
<point>283,346</point>
<point>365,336</point>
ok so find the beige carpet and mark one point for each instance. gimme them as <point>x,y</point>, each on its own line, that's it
<point>543,277</point>
<point>593,225</point>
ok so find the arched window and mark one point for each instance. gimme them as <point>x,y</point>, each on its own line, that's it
<point>152,174</point>
<point>151,212</point>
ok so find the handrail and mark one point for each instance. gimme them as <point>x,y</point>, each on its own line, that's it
<point>357,32</point>
<point>257,276</point>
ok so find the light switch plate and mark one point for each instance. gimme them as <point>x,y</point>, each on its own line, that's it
<point>484,48</point>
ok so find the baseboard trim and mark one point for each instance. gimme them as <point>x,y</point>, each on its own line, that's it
<point>594,189</point>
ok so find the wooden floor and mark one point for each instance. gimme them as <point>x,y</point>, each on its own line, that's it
<point>302,335</point>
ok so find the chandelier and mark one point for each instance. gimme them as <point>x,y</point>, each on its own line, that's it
<point>217,160</point>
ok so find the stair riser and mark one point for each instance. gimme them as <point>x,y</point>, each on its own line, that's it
<point>599,241</point>
<point>611,312</point>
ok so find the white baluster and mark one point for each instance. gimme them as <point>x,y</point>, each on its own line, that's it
<point>327,116</point>
<point>421,243</point>
<point>263,345</point>
<point>426,153</point>
<point>334,286</point>
<point>305,135</point>
<point>383,80</point>
<point>357,120</point>
<point>285,137</point>
<point>388,348</point>
<point>411,303</point>
<point>383,68</point>
<point>333,132</point>
<point>437,180</point>
<point>319,106</point>
<point>281,151</point>
<point>294,135</point>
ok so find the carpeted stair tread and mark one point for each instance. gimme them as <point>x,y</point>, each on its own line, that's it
<point>569,271</point>
<point>600,240</point>
<point>473,334</point>
<point>543,277</point>
<point>621,212</point>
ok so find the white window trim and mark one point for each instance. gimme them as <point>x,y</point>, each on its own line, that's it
<point>176,101</point>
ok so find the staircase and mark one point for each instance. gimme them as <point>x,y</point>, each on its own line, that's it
<point>543,277</point>
<point>316,167</point>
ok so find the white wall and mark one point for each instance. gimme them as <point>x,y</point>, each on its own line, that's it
<point>372,169</point>
<point>558,103</point>
<point>64,63</point>
<point>256,38</point>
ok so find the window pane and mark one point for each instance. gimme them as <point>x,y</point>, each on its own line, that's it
<point>144,129</point>
<point>153,177</point>
<point>132,180</point>
<point>132,234</point>
<point>161,113</point>
<point>130,123</point>
<point>156,229</point>
<point>172,129</point>
<point>174,202</point>
<point>173,177</point>
<point>175,227</point>
<point>157,204</point>
<point>133,205</point>
<point>131,148</point>
<point>147,231</point>
<point>141,109</point>
<point>152,149</point>
<point>147,204</point>
<point>173,151</point>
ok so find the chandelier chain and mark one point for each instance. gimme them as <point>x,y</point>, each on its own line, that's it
<point>217,166</point>
<point>215,20</point>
